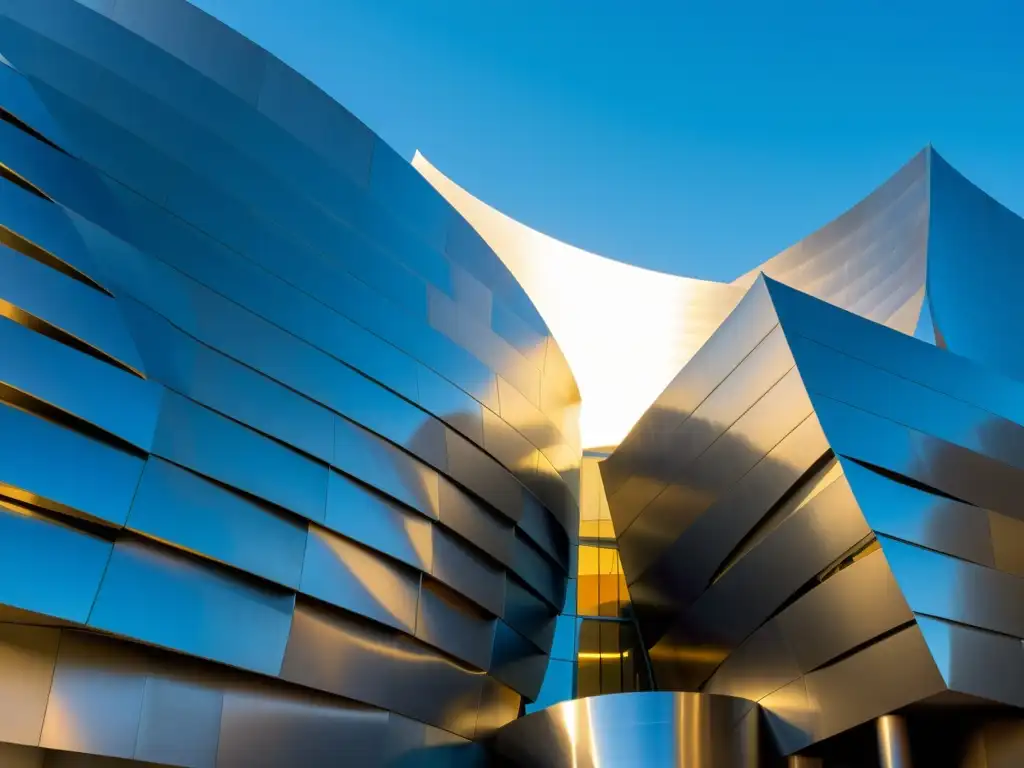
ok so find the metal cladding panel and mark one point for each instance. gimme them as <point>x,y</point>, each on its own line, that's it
<point>356,660</point>
<point>359,580</point>
<point>359,514</point>
<point>951,589</point>
<point>178,507</point>
<point>181,722</point>
<point>454,626</point>
<point>976,662</point>
<point>936,522</point>
<point>27,659</point>
<point>865,559</point>
<point>366,457</point>
<point>47,464</point>
<point>41,370</point>
<point>215,380</point>
<point>858,604</point>
<point>247,376</point>
<point>262,732</point>
<point>65,304</point>
<point>177,603</point>
<point>634,729</point>
<point>49,568</point>
<point>231,453</point>
<point>96,700</point>
<point>974,308</point>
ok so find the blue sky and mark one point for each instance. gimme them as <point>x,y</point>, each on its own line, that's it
<point>692,136</point>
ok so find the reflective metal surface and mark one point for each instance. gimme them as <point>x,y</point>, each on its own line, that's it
<point>872,261</point>
<point>292,466</point>
<point>851,553</point>
<point>290,461</point>
<point>684,730</point>
<point>893,742</point>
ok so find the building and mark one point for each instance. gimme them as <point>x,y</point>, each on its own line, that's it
<point>315,459</point>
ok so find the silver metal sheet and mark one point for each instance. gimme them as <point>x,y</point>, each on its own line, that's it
<point>911,514</point>
<point>476,523</point>
<point>179,604</point>
<point>209,444</point>
<point>849,609</point>
<point>175,506</point>
<point>43,369</point>
<point>450,404</point>
<point>633,729</point>
<point>96,700</point>
<point>48,463</point>
<point>180,722</point>
<point>377,463</point>
<point>360,514</point>
<point>449,623</point>
<point>359,580</point>
<point>469,574</point>
<point>264,732</point>
<point>68,304</point>
<point>27,659</point>
<point>215,380</point>
<point>485,477</point>
<point>973,661</point>
<point>48,568</point>
<point>269,276</point>
<point>942,586</point>
<point>886,676</point>
<point>339,655</point>
<point>516,662</point>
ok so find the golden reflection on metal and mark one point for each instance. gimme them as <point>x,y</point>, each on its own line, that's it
<point>893,742</point>
<point>44,328</point>
<point>625,331</point>
<point>13,176</point>
<point>690,716</point>
<point>601,655</point>
<point>380,582</point>
<point>18,242</point>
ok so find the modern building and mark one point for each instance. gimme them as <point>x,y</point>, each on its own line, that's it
<point>314,459</point>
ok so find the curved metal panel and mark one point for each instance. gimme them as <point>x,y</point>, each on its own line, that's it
<point>635,729</point>
<point>662,320</point>
<point>175,506</point>
<point>175,603</point>
<point>51,466</point>
<point>973,308</point>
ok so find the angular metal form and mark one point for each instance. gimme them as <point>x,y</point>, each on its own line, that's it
<point>825,519</point>
<point>293,469</point>
<point>871,260</point>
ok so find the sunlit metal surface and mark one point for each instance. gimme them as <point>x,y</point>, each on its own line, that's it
<point>290,460</point>
<point>871,260</point>
<point>641,730</point>
<point>821,514</point>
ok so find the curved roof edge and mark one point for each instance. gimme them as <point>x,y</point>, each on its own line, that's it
<point>624,330</point>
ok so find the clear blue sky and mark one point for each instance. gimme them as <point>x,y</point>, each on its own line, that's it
<point>692,136</point>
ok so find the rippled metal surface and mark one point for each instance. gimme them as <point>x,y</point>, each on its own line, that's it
<point>277,424</point>
<point>636,730</point>
<point>822,515</point>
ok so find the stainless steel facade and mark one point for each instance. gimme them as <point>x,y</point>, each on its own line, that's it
<point>290,462</point>
<point>822,515</point>
<point>670,730</point>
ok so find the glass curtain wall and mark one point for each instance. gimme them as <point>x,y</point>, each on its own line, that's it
<point>596,649</point>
